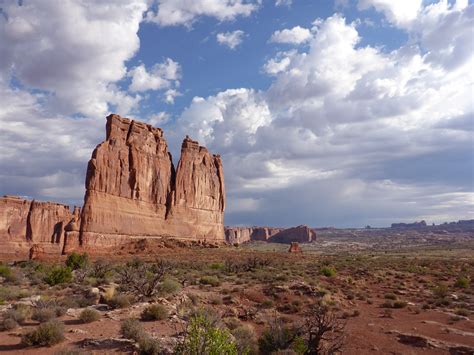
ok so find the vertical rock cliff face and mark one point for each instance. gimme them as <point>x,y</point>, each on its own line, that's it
<point>24,224</point>
<point>198,197</point>
<point>300,234</point>
<point>132,189</point>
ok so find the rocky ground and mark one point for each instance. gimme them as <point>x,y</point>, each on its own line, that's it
<point>398,299</point>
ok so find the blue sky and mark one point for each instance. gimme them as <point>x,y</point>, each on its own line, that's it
<point>344,113</point>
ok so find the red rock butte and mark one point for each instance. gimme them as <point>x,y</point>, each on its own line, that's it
<point>132,191</point>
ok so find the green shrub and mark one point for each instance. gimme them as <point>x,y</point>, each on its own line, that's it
<point>9,324</point>
<point>77,261</point>
<point>119,301</point>
<point>7,273</point>
<point>441,291</point>
<point>245,340</point>
<point>202,337</point>
<point>170,287</point>
<point>390,296</point>
<point>19,314</point>
<point>89,315</point>
<point>462,282</point>
<point>328,271</point>
<point>58,275</point>
<point>43,315</point>
<point>131,329</point>
<point>399,304</point>
<point>277,337</point>
<point>462,312</point>
<point>216,266</point>
<point>148,345</point>
<point>46,334</point>
<point>154,312</point>
<point>210,280</point>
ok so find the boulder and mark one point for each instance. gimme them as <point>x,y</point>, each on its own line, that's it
<point>295,248</point>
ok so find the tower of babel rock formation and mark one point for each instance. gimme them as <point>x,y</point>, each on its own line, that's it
<point>132,191</point>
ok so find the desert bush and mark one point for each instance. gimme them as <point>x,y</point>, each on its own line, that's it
<point>170,287</point>
<point>100,269</point>
<point>10,275</point>
<point>462,312</point>
<point>215,300</point>
<point>5,271</point>
<point>201,337</point>
<point>323,331</point>
<point>143,279</point>
<point>131,329</point>
<point>277,336</point>
<point>46,334</point>
<point>119,301</point>
<point>77,261</point>
<point>217,266</point>
<point>154,312</point>
<point>210,280</point>
<point>462,282</point>
<point>328,271</point>
<point>9,324</point>
<point>58,275</point>
<point>440,291</point>
<point>89,315</point>
<point>148,345</point>
<point>20,313</point>
<point>43,315</point>
<point>390,296</point>
<point>245,340</point>
<point>399,304</point>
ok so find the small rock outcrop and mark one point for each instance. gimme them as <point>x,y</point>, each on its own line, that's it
<point>295,248</point>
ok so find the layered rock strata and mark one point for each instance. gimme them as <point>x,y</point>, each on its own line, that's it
<point>132,191</point>
<point>239,235</point>
<point>24,224</point>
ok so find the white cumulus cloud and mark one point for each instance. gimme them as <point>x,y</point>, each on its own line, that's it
<point>230,39</point>
<point>185,12</point>
<point>295,35</point>
<point>160,76</point>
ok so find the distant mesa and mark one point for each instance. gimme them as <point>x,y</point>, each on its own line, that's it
<point>240,235</point>
<point>421,224</point>
<point>132,191</point>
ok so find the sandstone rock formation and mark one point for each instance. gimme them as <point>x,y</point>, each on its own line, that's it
<point>421,224</point>
<point>239,235</point>
<point>132,191</point>
<point>24,224</point>
<point>295,248</point>
<point>300,234</point>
